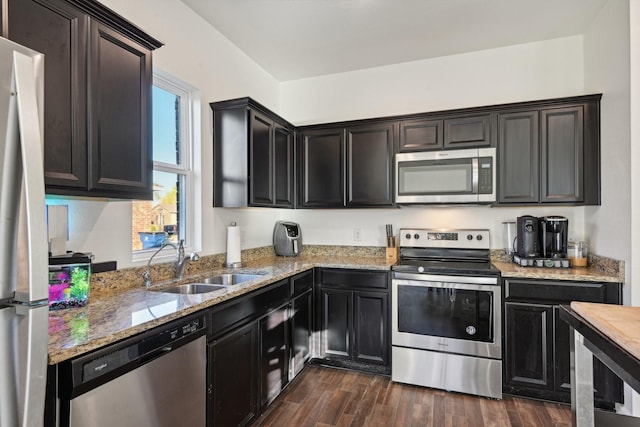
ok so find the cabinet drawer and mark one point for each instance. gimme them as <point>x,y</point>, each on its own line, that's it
<point>247,308</point>
<point>301,283</point>
<point>557,291</point>
<point>354,278</point>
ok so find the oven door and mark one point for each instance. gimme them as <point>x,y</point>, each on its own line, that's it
<point>447,313</point>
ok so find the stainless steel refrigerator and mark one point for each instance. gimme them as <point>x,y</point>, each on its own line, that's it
<point>23,242</point>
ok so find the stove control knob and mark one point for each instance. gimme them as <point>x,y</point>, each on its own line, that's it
<point>408,236</point>
<point>469,237</point>
<point>421,269</point>
<point>479,237</point>
<point>416,236</point>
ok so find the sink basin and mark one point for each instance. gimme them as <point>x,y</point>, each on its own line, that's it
<point>191,288</point>
<point>230,279</point>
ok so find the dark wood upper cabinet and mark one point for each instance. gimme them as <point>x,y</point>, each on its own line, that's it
<point>98,80</point>
<point>370,165</point>
<point>549,153</point>
<point>561,155</point>
<point>467,132</point>
<point>322,168</point>
<point>347,166</point>
<point>420,135</point>
<point>58,30</point>
<point>253,156</point>
<point>120,77</point>
<point>518,148</point>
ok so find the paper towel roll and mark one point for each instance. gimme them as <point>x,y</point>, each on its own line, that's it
<point>233,244</point>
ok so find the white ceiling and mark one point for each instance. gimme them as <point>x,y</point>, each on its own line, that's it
<point>294,39</point>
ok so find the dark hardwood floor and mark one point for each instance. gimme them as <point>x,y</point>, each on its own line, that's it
<point>323,397</point>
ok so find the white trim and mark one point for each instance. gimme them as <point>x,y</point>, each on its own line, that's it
<point>190,148</point>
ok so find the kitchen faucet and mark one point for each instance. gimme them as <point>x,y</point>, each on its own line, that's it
<point>179,264</point>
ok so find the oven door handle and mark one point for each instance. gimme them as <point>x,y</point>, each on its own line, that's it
<point>440,278</point>
<point>444,285</point>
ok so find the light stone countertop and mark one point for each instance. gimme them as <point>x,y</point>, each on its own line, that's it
<point>122,308</point>
<point>126,311</point>
<point>578,274</point>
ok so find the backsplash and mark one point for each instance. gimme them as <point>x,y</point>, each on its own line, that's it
<point>132,277</point>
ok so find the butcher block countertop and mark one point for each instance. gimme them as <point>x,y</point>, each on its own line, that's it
<point>612,333</point>
<point>620,323</point>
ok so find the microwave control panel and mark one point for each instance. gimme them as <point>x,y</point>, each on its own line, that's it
<point>485,175</point>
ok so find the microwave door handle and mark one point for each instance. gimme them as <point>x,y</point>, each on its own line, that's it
<point>474,175</point>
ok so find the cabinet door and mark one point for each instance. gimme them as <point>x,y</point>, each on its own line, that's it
<point>301,332</point>
<point>233,376</point>
<point>260,161</point>
<point>370,327</point>
<point>369,165</point>
<point>420,135</point>
<point>274,354</point>
<point>283,166</point>
<point>58,31</point>
<point>322,164</point>
<point>336,323</point>
<point>529,345</point>
<point>120,120</point>
<point>467,132</point>
<point>562,154</point>
<point>518,151</point>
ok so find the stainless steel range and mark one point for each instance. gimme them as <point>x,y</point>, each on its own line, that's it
<point>446,322</point>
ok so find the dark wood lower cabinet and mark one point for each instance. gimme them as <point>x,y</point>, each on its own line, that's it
<point>301,321</point>
<point>536,359</point>
<point>233,373</point>
<point>353,317</point>
<point>274,354</point>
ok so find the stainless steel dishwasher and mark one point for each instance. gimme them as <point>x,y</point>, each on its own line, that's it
<point>157,378</point>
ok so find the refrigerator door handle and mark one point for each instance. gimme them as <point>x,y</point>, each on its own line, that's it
<point>32,251</point>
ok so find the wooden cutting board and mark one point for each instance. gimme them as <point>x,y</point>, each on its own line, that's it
<point>618,322</point>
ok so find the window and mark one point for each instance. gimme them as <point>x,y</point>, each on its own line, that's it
<point>170,215</point>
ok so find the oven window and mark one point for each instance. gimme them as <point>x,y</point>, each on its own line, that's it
<point>445,312</point>
<point>429,177</point>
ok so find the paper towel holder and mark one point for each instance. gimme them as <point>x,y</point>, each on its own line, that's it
<point>228,264</point>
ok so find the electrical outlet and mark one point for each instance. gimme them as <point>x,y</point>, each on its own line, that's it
<point>357,237</point>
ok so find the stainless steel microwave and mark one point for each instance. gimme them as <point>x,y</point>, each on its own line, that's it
<point>452,176</point>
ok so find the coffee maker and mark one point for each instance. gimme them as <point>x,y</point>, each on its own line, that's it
<point>528,238</point>
<point>553,233</point>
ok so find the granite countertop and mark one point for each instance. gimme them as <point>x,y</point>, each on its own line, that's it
<point>578,274</point>
<point>122,307</point>
<point>118,314</point>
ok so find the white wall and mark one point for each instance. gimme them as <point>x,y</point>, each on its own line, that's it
<point>608,70</point>
<point>516,73</point>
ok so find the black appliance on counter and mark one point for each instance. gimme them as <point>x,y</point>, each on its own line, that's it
<point>528,237</point>
<point>544,237</point>
<point>554,231</point>
<point>446,312</point>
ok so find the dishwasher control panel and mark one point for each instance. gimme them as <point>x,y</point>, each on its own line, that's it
<point>138,350</point>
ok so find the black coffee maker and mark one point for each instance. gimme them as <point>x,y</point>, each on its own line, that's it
<point>528,238</point>
<point>553,233</point>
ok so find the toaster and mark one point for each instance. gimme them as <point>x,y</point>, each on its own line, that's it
<point>287,238</point>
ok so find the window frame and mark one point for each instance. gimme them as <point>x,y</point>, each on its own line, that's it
<point>189,151</point>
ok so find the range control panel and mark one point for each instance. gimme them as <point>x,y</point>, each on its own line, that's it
<point>445,238</point>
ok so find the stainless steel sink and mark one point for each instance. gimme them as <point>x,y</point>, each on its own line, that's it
<point>191,288</point>
<point>231,278</point>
